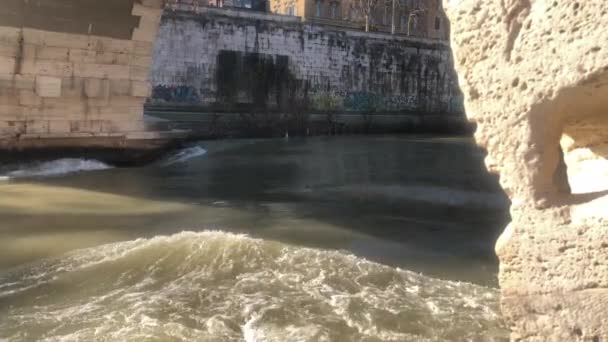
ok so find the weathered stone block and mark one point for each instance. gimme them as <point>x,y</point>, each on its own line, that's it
<point>145,34</point>
<point>140,89</point>
<point>55,39</point>
<point>59,126</point>
<point>72,87</point>
<point>93,103</point>
<point>5,129</point>
<point>14,112</point>
<point>10,35</point>
<point>47,68</point>
<point>139,73</point>
<point>9,49</point>
<point>120,87</point>
<point>54,110</point>
<point>97,88</point>
<point>102,44</point>
<point>140,10</point>
<point>7,65</point>
<point>113,58</point>
<point>17,126</point>
<point>29,98</point>
<point>141,61</point>
<point>82,56</point>
<point>37,127</point>
<point>101,71</point>
<point>52,53</point>
<point>142,48</point>
<point>91,126</point>
<point>48,86</point>
<point>9,96</point>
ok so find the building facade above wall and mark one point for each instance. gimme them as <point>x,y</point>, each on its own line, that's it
<point>416,18</point>
<point>254,5</point>
<point>419,18</point>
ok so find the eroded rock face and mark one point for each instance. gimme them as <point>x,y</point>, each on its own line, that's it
<point>535,74</point>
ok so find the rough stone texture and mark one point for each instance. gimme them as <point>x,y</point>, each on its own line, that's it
<point>220,59</point>
<point>75,66</point>
<point>534,73</point>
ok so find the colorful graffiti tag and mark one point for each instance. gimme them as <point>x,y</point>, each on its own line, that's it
<point>326,102</point>
<point>175,94</point>
<point>365,101</point>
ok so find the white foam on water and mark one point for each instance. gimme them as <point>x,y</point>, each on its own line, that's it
<point>184,155</point>
<point>55,168</point>
<point>215,286</point>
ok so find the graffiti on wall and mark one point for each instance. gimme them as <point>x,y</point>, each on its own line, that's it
<point>325,101</point>
<point>366,101</point>
<point>176,94</point>
<point>362,101</point>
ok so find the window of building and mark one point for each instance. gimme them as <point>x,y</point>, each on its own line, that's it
<point>318,8</point>
<point>403,23</point>
<point>413,24</point>
<point>290,10</point>
<point>387,15</point>
<point>334,10</point>
<point>437,23</point>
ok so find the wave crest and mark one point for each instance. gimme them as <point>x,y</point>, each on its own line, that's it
<point>225,287</point>
<point>184,155</point>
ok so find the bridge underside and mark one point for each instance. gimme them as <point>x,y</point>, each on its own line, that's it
<point>75,68</point>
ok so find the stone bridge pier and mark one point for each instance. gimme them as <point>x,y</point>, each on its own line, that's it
<point>74,68</point>
<point>535,78</point>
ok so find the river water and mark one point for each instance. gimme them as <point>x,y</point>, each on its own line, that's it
<point>322,239</point>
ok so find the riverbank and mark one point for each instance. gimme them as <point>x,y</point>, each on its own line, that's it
<point>216,124</point>
<point>173,127</point>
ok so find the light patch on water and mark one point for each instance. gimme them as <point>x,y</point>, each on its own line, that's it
<point>55,168</point>
<point>215,286</point>
<point>184,155</point>
<point>47,199</point>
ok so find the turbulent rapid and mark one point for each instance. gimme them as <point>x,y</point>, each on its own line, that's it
<point>214,286</point>
<point>183,155</point>
<point>66,166</point>
<point>52,168</point>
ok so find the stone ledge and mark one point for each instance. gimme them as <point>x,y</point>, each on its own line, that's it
<point>120,149</point>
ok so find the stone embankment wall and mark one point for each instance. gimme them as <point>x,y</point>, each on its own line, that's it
<point>535,78</point>
<point>230,61</point>
<point>75,68</point>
